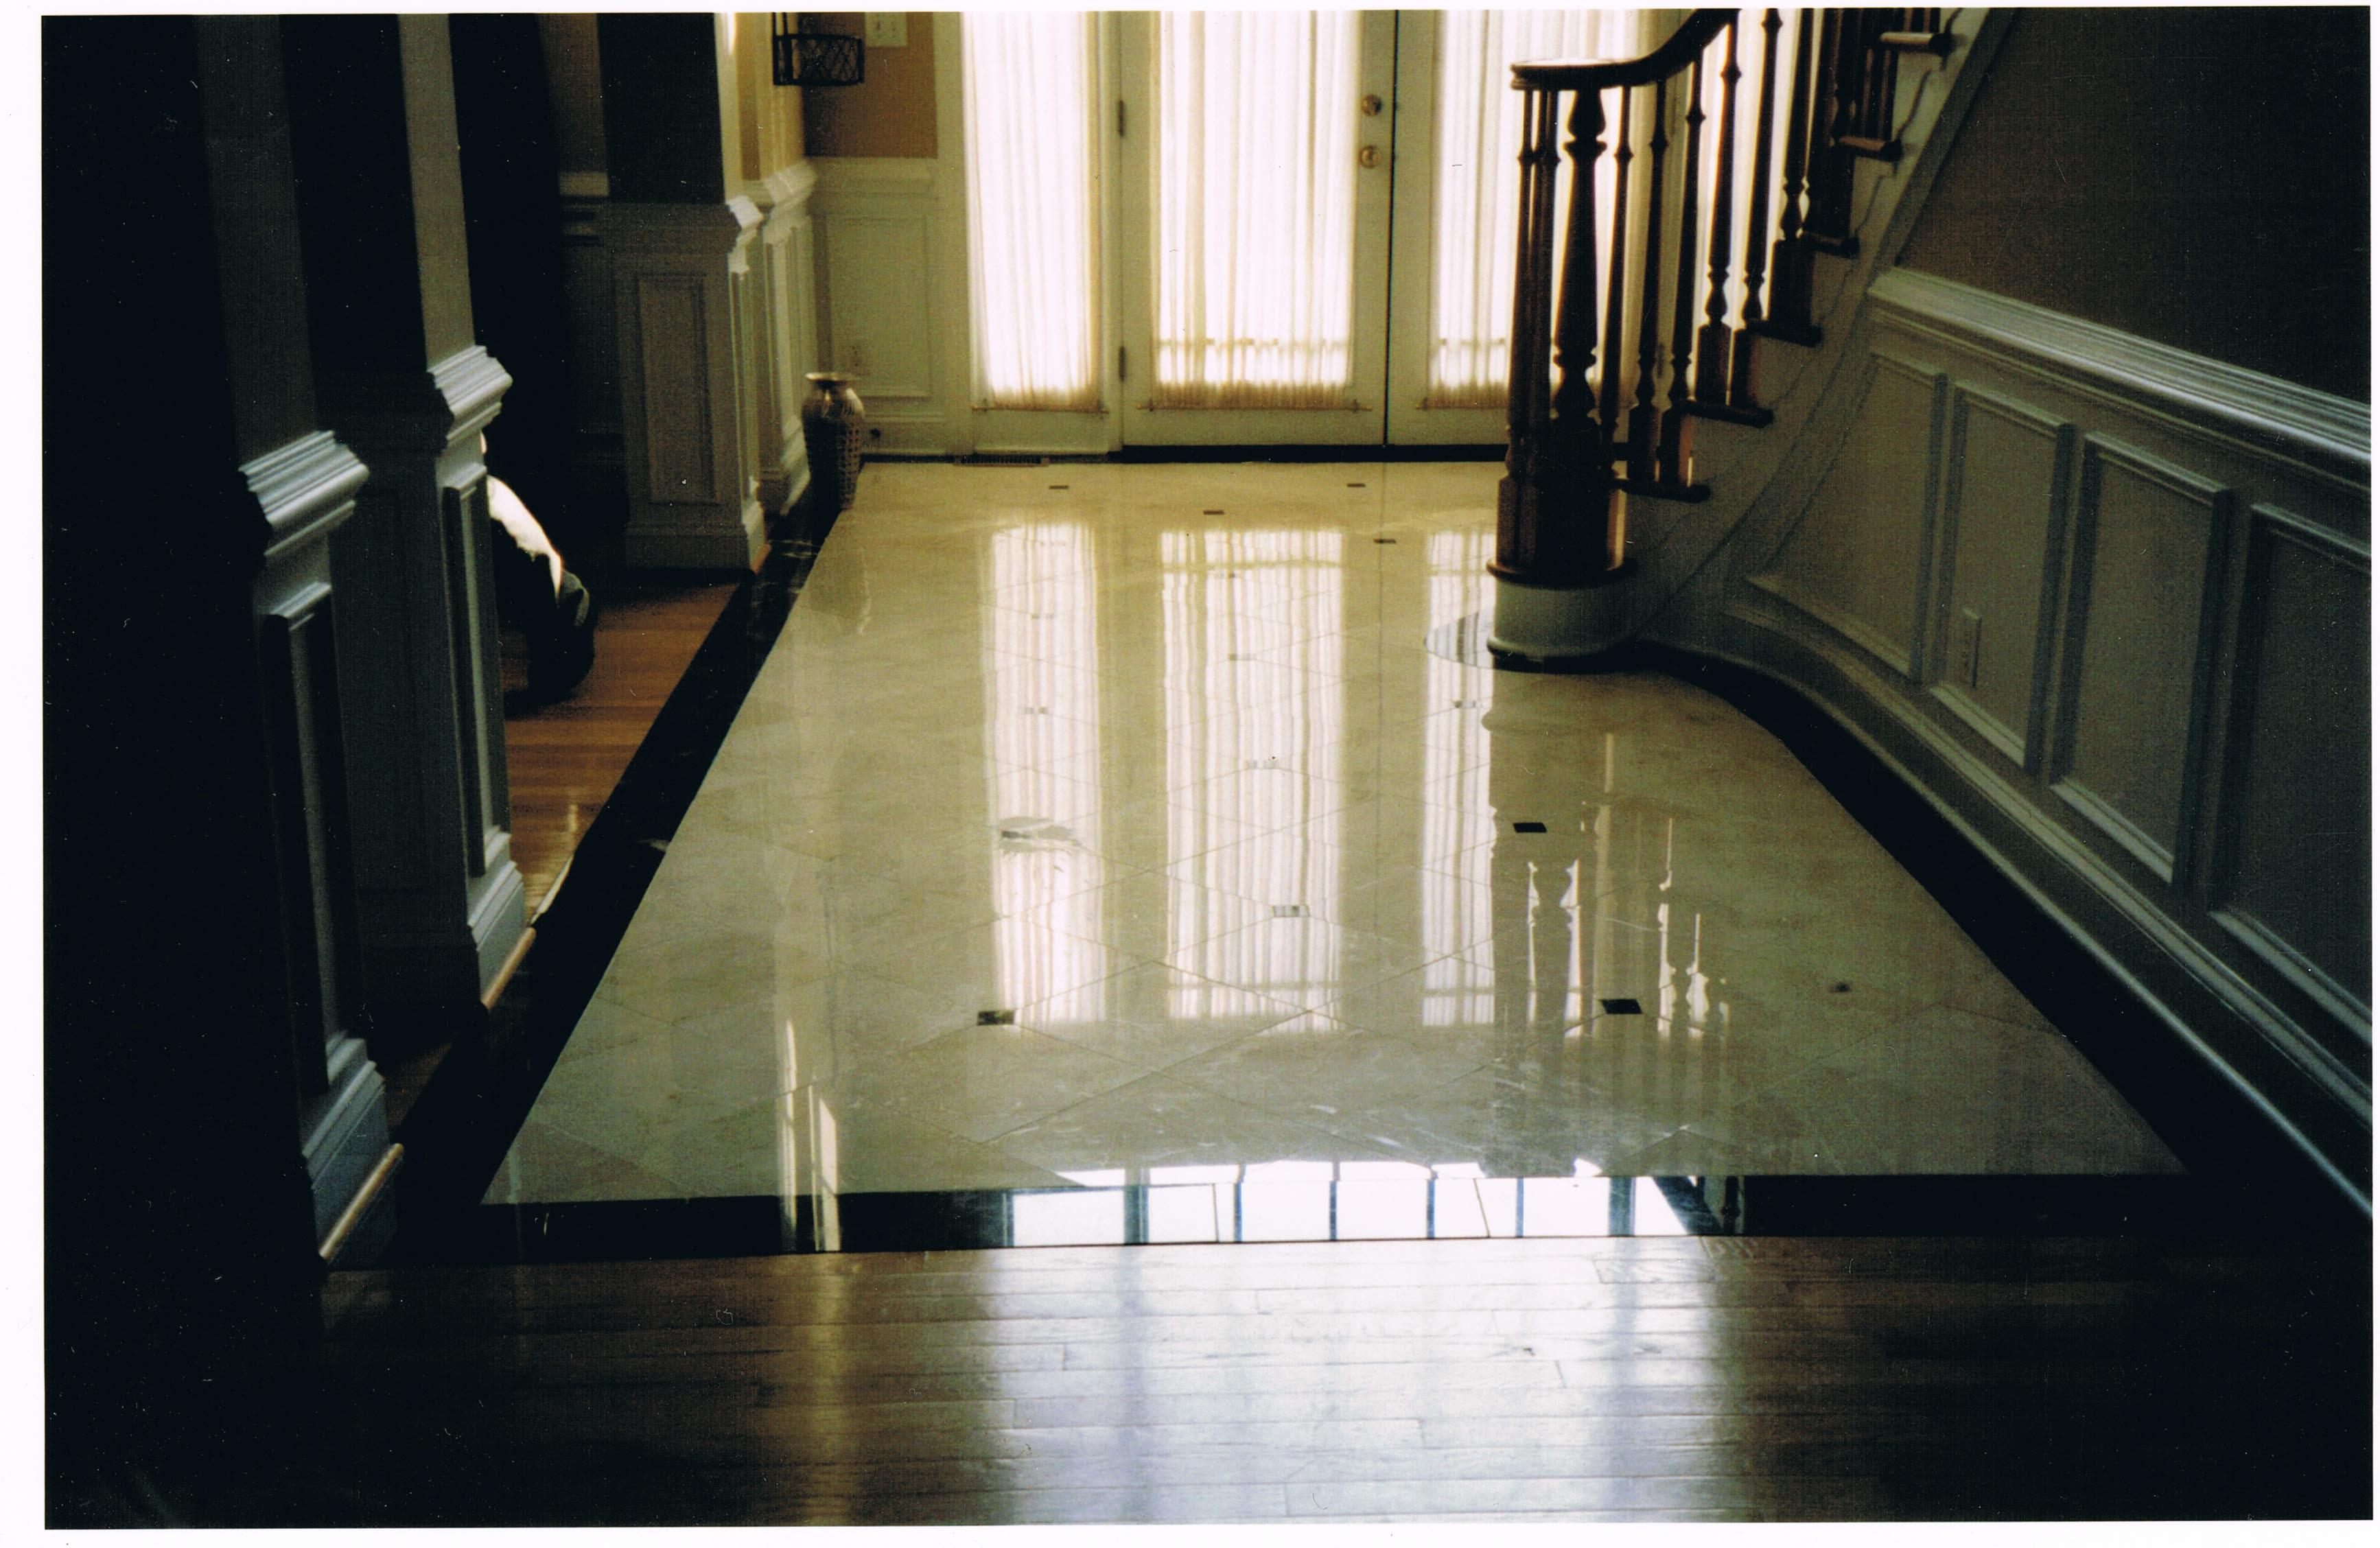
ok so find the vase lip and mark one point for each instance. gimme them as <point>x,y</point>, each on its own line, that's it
<point>831,379</point>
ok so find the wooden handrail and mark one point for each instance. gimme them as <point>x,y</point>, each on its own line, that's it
<point>1681,298</point>
<point>1684,47</point>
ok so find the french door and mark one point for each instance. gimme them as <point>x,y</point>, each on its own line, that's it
<point>1308,225</point>
<point>1254,222</point>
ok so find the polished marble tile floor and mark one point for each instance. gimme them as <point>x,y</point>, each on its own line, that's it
<point>1096,824</point>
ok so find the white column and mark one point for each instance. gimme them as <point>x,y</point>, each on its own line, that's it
<point>439,900</point>
<point>789,322</point>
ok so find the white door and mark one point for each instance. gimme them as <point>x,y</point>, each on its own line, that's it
<point>1254,218</point>
<point>1458,205</point>
<point>1310,230</point>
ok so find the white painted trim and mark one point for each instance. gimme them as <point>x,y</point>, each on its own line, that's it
<point>2098,451</point>
<point>305,489</point>
<point>2134,371</point>
<point>786,190</point>
<point>1857,630</point>
<point>873,174</point>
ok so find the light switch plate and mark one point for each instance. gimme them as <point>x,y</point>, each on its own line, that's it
<point>887,30</point>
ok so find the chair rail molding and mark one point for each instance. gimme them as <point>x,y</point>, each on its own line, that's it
<point>686,308</point>
<point>2327,435</point>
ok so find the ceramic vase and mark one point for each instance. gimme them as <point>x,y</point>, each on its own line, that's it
<point>832,421</point>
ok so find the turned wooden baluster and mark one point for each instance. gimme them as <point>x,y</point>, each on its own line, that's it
<point>1643,419</point>
<point>1829,227</point>
<point>1580,539</point>
<point>1715,346</point>
<point>1789,306</point>
<point>1518,527</point>
<point>1615,322</point>
<point>1742,382</point>
<point>1675,469</point>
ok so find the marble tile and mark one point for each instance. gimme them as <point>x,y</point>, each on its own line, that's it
<point>1945,1092</point>
<point>545,1166</point>
<point>876,1152</point>
<point>1156,1015</point>
<point>1507,1124</point>
<point>1191,796</point>
<point>1158,1121</point>
<point>1319,1071</point>
<point>981,1082</point>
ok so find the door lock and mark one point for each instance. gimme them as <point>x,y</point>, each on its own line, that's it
<point>1368,156</point>
<point>1371,105</point>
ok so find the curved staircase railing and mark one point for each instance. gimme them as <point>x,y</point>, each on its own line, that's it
<point>1609,372</point>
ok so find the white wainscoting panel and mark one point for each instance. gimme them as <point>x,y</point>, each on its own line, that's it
<point>885,309</point>
<point>1856,561</point>
<point>2162,725</point>
<point>2294,876</point>
<point>2139,648</point>
<point>2002,529</point>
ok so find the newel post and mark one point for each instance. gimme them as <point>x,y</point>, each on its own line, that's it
<point>1560,534</point>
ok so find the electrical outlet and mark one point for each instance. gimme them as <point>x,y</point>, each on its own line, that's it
<point>887,30</point>
<point>1966,648</point>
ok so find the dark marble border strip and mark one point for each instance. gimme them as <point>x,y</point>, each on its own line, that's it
<point>1141,1214</point>
<point>459,1130</point>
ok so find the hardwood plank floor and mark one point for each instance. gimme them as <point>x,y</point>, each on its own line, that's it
<point>564,758</point>
<point>1677,1379</point>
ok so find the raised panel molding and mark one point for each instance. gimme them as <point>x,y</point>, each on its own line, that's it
<point>1856,561</point>
<point>681,274</point>
<point>2149,542</point>
<point>884,233</point>
<point>1991,632</point>
<point>880,317</point>
<point>2293,862</point>
<point>2192,804</point>
<point>675,334</point>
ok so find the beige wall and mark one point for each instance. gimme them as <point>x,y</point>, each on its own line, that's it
<point>891,112</point>
<point>574,84</point>
<point>2199,176</point>
<point>769,116</point>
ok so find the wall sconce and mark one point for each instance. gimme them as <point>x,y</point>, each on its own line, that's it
<point>814,58</point>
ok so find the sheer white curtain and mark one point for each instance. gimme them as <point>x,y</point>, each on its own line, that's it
<point>1478,182</point>
<point>1033,207</point>
<point>1255,208</point>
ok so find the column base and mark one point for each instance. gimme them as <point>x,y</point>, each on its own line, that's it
<point>1562,623</point>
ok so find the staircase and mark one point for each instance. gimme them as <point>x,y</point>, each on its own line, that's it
<point>1631,336</point>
